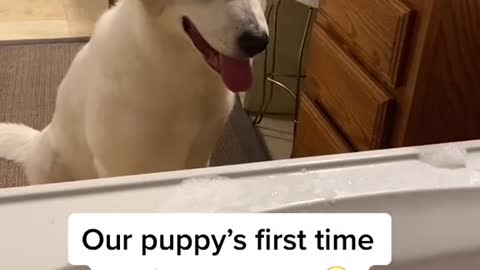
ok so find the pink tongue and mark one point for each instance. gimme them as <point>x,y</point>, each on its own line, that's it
<point>237,74</point>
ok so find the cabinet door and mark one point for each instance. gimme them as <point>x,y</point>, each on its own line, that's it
<point>355,102</point>
<point>374,30</point>
<point>315,135</point>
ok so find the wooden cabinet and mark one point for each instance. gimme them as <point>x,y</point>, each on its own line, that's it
<point>374,30</point>
<point>316,134</point>
<point>354,101</point>
<point>390,73</point>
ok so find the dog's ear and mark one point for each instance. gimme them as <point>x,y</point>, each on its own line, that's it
<point>155,7</point>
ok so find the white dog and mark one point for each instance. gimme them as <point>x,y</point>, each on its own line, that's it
<point>150,92</point>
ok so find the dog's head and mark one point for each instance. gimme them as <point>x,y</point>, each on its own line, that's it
<point>228,33</point>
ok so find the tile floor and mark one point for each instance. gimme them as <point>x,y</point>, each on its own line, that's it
<point>278,134</point>
<point>35,19</point>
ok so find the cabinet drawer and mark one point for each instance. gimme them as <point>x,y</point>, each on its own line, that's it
<point>373,30</point>
<point>356,104</point>
<point>315,135</point>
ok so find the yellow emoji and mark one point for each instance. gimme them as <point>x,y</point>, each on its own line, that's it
<point>336,268</point>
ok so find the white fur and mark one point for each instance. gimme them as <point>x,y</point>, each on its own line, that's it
<point>15,140</point>
<point>138,98</point>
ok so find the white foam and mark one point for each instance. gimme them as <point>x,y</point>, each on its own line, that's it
<point>475,178</point>
<point>221,194</point>
<point>446,157</point>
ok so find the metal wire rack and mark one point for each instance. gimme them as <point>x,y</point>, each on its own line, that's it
<point>270,75</point>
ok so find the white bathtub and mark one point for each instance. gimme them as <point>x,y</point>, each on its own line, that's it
<point>435,211</point>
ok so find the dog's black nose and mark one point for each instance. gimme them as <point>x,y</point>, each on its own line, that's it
<point>253,43</point>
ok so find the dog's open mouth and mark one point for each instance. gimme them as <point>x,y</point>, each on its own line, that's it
<point>236,73</point>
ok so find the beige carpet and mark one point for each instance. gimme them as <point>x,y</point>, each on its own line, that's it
<point>30,74</point>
